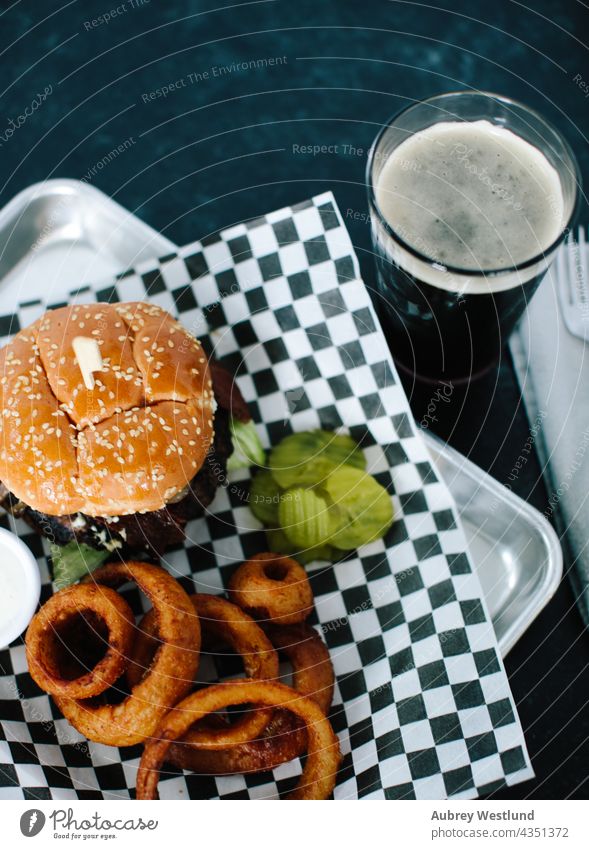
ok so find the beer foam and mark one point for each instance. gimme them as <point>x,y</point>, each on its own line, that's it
<point>472,195</point>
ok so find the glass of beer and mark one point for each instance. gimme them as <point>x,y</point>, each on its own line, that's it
<point>470,194</point>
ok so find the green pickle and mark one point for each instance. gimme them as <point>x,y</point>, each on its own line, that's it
<point>264,497</point>
<point>280,543</point>
<point>307,458</point>
<point>316,499</point>
<point>304,517</point>
<point>364,507</point>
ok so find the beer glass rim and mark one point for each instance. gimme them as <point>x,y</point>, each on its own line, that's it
<point>453,269</point>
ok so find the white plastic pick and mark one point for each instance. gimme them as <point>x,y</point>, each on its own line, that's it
<point>88,356</point>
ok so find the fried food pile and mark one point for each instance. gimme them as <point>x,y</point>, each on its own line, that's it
<point>121,683</point>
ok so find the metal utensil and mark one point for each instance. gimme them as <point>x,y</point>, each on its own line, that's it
<point>572,273</point>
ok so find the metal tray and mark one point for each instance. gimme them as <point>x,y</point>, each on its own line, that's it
<point>514,548</point>
<point>62,233</point>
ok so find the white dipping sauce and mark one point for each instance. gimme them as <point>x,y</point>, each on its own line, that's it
<point>20,586</point>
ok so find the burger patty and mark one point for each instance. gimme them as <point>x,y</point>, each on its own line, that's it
<point>151,532</point>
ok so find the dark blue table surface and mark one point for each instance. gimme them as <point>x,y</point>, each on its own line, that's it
<point>225,143</point>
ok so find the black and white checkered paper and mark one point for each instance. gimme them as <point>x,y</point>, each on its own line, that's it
<point>422,704</point>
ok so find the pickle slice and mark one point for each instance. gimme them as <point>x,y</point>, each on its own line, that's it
<point>304,517</point>
<point>320,552</point>
<point>264,498</point>
<point>316,499</point>
<point>363,508</point>
<point>280,543</point>
<point>305,459</point>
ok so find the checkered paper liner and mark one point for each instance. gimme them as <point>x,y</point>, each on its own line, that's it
<point>422,704</point>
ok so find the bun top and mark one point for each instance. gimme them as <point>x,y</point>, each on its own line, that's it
<point>128,445</point>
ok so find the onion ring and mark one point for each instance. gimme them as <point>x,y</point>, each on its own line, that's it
<point>284,737</point>
<point>319,774</point>
<point>171,674</point>
<point>312,670</point>
<point>272,587</point>
<point>222,619</point>
<point>45,641</point>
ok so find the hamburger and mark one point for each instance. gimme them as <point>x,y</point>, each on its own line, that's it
<point>115,427</point>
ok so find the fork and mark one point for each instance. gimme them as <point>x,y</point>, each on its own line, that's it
<point>572,272</point>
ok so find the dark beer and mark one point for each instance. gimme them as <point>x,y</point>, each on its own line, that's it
<point>466,216</point>
<point>441,335</point>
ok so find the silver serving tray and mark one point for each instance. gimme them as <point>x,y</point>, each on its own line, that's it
<point>515,550</point>
<point>61,234</point>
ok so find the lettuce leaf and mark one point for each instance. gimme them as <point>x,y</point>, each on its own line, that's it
<point>72,561</point>
<point>247,447</point>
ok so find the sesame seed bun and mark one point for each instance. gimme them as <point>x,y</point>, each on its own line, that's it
<point>128,445</point>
